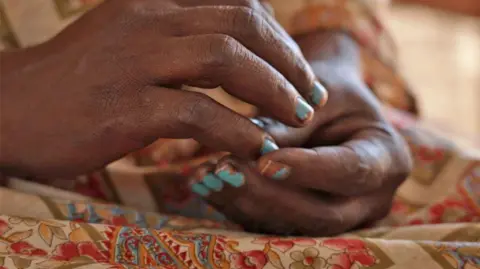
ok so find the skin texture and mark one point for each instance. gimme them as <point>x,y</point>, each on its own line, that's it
<point>341,171</point>
<point>110,84</point>
<point>92,97</point>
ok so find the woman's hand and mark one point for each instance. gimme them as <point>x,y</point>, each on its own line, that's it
<point>337,174</point>
<point>110,84</point>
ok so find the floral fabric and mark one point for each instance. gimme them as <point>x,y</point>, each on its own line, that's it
<point>136,213</point>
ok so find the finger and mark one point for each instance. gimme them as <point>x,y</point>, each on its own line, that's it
<point>263,7</point>
<point>254,202</point>
<point>219,60</point>
<point>284,135</point>
<point>197,116</point>
<point>365,163</point>
<point>173,150</point>
<point>258,35</point>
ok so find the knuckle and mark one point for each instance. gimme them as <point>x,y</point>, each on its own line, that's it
<point>195,111</point>
<point>254,24</point>
<point>221,53</point>
<point>370,169</point>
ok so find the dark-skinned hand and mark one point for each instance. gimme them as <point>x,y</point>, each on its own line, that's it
<point>337,174</point>
<point>111,82</point>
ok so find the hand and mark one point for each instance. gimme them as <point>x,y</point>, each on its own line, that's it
<point>337,174</point>
<point>110,84</point>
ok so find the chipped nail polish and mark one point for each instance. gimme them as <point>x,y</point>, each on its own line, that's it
<point>319,94</point>
<point>303,110</point>
<point>275,170</point>
<point>268,146</point>
<point>228,174</point>
<point>200,189</point>
<point>212,182</point>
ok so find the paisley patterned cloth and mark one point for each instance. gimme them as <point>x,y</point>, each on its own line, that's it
<point>136,213</point>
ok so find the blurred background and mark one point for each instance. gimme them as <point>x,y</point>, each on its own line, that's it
<point>439,54</point>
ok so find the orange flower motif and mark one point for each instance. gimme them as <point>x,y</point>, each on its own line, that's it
<point>284,244</point>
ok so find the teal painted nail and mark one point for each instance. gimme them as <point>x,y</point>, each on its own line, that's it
<point>304,110</point>
<point>268,146</point>
<point>257,122</point>
<point>318,93</point>
<point>275,170</point>
<point>281,174</point>
<point>229,175</point>
<point>200,189</point>
<point>212,182</point>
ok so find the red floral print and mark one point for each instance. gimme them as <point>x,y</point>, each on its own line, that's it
<point>309,258</point>
<point>254,259</point>
<point>451,210</point>
<point>416,222</point>
<point>427,154</point>
<point>3,227</point>
<point>353,251</point>
<point>284,244</point>
<point>344,244</point>
<point>339,261</point>
<point>25,248</point>
<point>70,250</point>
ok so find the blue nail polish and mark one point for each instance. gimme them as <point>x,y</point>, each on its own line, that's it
<point>281,174</point>
<point>229,175</point>
<point>304,110</point>
<point>268,146</point>
<point>257,122</point>
<point>318,93</point>
<point>200,189</point>
<point>275,170</point>
<point>212,182</point>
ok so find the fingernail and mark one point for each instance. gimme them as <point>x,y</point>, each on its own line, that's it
<point>319,94</point>
<point>275,170</point>
<point>212,182</point>
<point>228,174</point>
<point>304,110</point>
<point>258,122</point>
<point>268,146</point>
<point>200,189</point>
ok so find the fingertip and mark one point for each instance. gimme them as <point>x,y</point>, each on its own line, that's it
<point>319,95</point>
<point>200,189</point>
<point>268,146</point>
<point>303,110</point>
<point>274,170</point>
<point>290,156</point>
